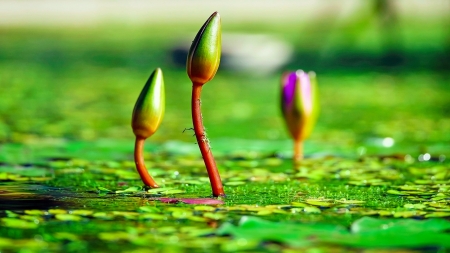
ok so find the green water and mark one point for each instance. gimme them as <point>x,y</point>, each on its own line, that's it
<point>67,179</point>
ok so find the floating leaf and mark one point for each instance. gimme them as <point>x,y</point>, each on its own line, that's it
<point>35,212</point>
<point>408,214</point>
<point>299,204</point>
<point>351,202</point>
<point>205,208</point>
<point>415,206</point>
<point>11,214</point>
<point>68,217</point>
<point>170,192</point>
<point>127,215</point>
<point>366,232</point>
<point>317,202</point>
<point>311,209</point>
<point>234,183</point>
<point>130,189</point>
<point>103,189</point>
<point>386,213</point>
<point>395,192</point>
<point>161,189</point>
<point>439,205</point>
<point>437,215</point>
<point>195,231</point>
<point>82,212</point>
<point>103,215</point>
<point>239,245</point>
<point>167,230</point>
<point>181,214</point>
<point>256,229</point>
<point>197,218</point>
<point>368,224</point>
<point>57,211</point>
<point>152,216</point>
<point>6,242</point>
<point>33,218</point>
<point>18,223</point>
<point>214,216</point>
<point>127,175</point>
<point>149,209</point>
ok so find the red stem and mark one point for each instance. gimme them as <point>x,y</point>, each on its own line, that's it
<point>298,151</point>
<point>203,144</point>
<point>140,165</point>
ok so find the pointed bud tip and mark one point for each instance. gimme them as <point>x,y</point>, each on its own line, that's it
<point>204,54</point>
<point>150,105</point>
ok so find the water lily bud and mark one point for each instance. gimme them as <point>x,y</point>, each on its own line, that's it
<point>204,55</point>
<point>149,108</point>
<point>299,103</point>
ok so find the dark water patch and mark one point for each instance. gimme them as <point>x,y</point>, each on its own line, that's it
<point>23,204</point>
<point>17,196</point>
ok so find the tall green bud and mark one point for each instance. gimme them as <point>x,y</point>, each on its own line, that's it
<point>204,55</point>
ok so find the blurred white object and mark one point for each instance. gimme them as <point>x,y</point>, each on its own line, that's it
<point>259,54</point>
<point>386,142</point>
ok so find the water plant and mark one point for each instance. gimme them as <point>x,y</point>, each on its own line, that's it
<point>299,106</point>
<point>202,64</point>
<point>148,113</point>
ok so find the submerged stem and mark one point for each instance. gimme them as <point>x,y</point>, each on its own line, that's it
<point>203,143</point>
<point>140,165</point>
<point>298,151</point>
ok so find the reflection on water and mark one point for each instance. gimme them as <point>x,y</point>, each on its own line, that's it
<point>17,196</point>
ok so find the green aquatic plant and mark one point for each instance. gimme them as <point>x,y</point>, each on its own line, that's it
<point>366,232</point>
<point>299,106</point>
<point>202,64</point>
<point>148,113</point>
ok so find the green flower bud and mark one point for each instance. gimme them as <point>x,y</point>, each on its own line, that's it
<point>149,108</point>
<point>204,55</point>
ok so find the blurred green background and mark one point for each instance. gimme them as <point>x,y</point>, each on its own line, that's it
<point>71,71</point>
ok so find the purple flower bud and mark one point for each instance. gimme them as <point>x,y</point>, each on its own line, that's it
<point>299,103</point>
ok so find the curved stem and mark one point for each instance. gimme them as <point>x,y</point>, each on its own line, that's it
<point>203,143</point>
<point>298,151</point>
<point>140,165</point>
